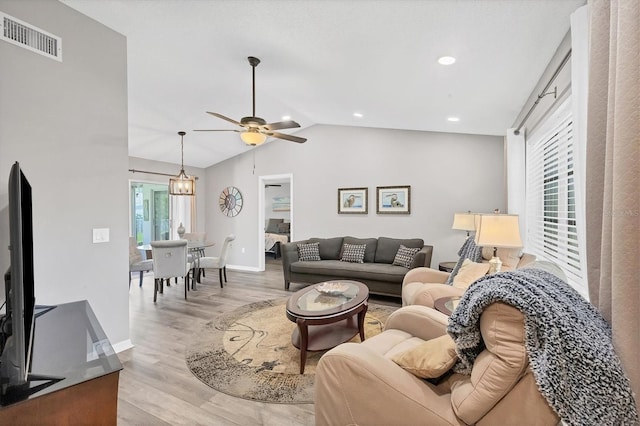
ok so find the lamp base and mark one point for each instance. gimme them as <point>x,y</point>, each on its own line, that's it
<point>495,265</point>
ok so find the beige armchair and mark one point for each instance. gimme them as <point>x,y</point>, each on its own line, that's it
<point>359,384</point>
<point>423,286</point>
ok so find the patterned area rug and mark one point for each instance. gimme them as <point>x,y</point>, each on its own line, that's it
<point>248,353</point>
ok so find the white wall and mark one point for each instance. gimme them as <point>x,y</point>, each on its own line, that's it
<point>447,173</point>
<point>66,123</point>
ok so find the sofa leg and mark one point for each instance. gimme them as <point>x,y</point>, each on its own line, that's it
<point>286,285</point>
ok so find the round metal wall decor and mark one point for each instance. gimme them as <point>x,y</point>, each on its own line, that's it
<point>230,201</point>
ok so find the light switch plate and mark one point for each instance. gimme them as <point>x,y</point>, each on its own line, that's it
<point>100,235</point>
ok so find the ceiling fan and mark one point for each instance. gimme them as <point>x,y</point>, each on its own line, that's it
<point>256,129</point>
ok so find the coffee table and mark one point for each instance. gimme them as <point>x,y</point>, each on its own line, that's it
<point>326,320</point>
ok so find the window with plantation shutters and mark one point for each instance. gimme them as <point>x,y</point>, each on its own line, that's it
<point>552,228</point>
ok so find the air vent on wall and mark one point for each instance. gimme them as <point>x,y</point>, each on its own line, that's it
<point>32,38</point>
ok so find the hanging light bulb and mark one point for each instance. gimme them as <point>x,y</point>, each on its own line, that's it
<point>182,184</point>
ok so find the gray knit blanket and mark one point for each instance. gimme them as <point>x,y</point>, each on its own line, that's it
<point>567,340</point>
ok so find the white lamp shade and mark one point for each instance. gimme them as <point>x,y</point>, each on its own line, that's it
<point>498,230</point>
<point>253,137</point>
<point>464,222</point>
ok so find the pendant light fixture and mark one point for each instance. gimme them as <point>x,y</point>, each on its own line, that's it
<point>182,184</point>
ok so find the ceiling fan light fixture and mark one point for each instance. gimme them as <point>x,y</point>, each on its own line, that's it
<point>446,60</point>
<point>253,137</point>
<point>182,184</point>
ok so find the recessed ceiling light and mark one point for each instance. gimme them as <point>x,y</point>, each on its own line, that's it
<point>446,60</point>
<point>357,114</point>
<point>286,117</point>
<point>453,119</point>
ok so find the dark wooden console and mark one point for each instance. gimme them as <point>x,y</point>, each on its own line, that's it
<point>68,342</point>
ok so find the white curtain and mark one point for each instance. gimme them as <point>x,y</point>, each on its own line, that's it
<point>516,181</point>
<point>182,211</point>
<point>579,95</point>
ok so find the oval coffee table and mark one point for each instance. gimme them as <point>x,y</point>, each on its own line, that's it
<point>326,320</point>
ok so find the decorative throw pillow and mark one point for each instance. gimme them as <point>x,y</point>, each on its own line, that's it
<point>353,253</point>
<point>430,359</point>
<point>309,252</point>
<point>470,272</point>
<point>404,256</point>
<point>469,250</point>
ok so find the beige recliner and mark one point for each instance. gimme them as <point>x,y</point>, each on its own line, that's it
<point>423,286</point>
<point>359,384</point>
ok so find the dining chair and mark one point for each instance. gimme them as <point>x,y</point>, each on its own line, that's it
<point>136,262</point>
<point>199,237</point>
<point>169,261</point>
<point>220,262</point>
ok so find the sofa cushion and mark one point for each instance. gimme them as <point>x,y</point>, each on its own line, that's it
<point>498,368</point>
<point>371,243</point>
<point>430,359</point>
<point>309,252</point>
<point>388,247</point>
<point>329,247</point>
<point>404,256</point>
<point>469,272</point>
<point>353,253</point>
<point>272,225</point>
<point>356,271</point>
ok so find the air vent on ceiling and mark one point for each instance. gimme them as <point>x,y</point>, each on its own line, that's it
<point>32,38</point>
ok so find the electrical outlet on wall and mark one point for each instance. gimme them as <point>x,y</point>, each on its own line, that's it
<point>242,250</point>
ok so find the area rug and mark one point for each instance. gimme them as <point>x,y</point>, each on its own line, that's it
<point>248,353</point>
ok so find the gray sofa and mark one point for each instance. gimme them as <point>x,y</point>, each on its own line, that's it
<point>377,271</point>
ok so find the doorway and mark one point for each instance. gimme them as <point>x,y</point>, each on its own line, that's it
<point>275,201</point>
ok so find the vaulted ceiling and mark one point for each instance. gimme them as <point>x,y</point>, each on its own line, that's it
<point>323,61</point>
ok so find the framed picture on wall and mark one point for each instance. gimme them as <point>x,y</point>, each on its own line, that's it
<point>353,200</point>
<point>393,199</point>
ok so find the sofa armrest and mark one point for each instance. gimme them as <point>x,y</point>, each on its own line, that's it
<point>289,252</point>
<point>355,385</point>
<point>425,275</point>
<point>419,321</point>
<point>422,258</point>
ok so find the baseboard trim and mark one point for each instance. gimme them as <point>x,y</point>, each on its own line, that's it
<point>243,268</point>
<point>122,346</point>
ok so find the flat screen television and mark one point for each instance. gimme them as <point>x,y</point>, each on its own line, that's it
<point>16,332</point>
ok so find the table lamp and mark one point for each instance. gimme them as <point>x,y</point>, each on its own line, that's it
<point>464,222</point>
<point>498,230</point>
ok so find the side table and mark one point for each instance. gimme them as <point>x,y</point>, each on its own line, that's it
<point>446,305</point>
<point>446,266</point>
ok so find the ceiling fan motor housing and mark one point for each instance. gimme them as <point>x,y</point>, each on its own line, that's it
<point>252,121</point>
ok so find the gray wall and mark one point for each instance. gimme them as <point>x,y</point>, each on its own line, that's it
<point>447,173</point>
<point>66,123</point>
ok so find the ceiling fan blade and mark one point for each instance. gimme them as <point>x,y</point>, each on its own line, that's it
<point>287,137</point>
<point>230,120</point>
<point>221,130</point>
<point>289,124</point>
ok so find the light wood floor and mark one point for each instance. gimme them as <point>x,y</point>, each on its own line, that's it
<point>156,387</point>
